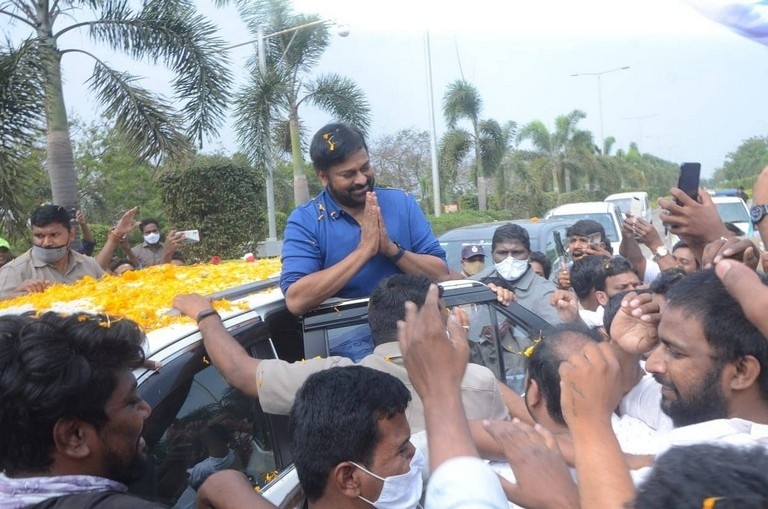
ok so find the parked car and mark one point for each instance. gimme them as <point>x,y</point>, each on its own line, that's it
<point>635,202</point>
<point>732,209</point>
<point>607,214</point>
<point>188,393</point>
<point>541,232</point>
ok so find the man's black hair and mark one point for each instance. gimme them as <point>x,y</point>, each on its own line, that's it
<point>609,268</point>
<point>684,477</point>
<point>114,264</point>
<point>546,265</point>
<point>334,143</point>
<point>587,227</point>
<point>666,279</point>
<point>511,232</point>
<point>544,362</point>
<point>54,367</point>
<point>387,304</point>
<point>582,274</point>
<point>47,214</point>
<point>613,306</point>
<point>702,296</point>
<point>335,418</point>
<point>148,220</point>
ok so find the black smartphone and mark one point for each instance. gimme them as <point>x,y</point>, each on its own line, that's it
<point>689,179</point>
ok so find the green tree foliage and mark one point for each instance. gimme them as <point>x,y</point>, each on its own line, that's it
<point>222,198</point>
<point>165,32</point>
<point>402,160</point>
<point>743,165</point>
<point>269,103</point>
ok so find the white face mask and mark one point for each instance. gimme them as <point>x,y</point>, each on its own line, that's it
<point>400,491</point>
<point>152,238</point>
<point>510,268</point>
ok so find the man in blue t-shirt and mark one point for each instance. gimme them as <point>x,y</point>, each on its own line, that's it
<point>342,242</point>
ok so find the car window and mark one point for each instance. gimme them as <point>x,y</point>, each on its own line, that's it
<point>732,212</point>
<point>623,204</point>
<point>605,219</point>
<point>453,250</point>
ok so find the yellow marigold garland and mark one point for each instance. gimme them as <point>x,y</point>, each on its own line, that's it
<point>145,296</point>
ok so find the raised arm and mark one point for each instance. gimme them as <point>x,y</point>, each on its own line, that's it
<point>116,235</point>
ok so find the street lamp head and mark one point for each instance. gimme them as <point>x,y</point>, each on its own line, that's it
<point>342,29</point>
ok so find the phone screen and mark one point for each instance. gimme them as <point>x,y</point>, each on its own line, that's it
<point>636,207</point>
<point>689,179</point>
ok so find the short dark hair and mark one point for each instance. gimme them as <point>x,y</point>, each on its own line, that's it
<point>148,220</point>
<point>118,262</point>
<point>613,305</point>
<point>48,214</point>
<point>511,232</point>
<point>387,304</point>
<point>335,418</point>
<point>334,143</point>
<point>546,265</point>
<point>686,476</point>
<point>582,273</point>
<point>587,227</point>
<point>609,268</point>
<point>53,367</point>
<point>666,279</point>
<point>702,295</point>
<point>544,362</point>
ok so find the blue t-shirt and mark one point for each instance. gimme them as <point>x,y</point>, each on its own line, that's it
<point>319,234</point>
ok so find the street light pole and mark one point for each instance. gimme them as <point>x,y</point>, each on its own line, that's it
<point>432,132</point>
<point>600,96</point>
<point>261,48</point>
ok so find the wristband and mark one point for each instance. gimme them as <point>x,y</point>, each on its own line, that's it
<point>202,315</point>
<point>400,253</point>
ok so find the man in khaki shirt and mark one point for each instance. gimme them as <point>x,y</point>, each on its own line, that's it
<point>50,260</point>
<point>275,382</point>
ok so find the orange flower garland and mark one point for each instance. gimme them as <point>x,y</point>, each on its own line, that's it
<point>145,296</point>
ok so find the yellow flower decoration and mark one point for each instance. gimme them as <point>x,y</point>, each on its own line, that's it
<point>145,296</point>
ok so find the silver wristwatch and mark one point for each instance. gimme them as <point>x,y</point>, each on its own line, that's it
<point>661,252</point>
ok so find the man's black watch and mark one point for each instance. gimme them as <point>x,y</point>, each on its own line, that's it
<point>757,213</point>
<point>400,253</point>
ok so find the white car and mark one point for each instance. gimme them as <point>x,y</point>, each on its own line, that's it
<point>607,214</point>
<point>635,202</point>
<point>732,209</point>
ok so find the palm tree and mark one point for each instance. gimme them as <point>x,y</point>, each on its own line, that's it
<point>462,101</point>
<point>167,32</point>
<point>273,98</point>
<point>566,148</point>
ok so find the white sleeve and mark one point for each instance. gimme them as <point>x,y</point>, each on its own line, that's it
<point>465,483</point>
<point>643,402</point>
<point>652,271</point>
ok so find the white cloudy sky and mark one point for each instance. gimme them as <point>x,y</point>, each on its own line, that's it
<point>693,92</point>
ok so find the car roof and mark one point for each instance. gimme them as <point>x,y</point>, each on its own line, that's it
<point>619,196</point>
<point>726,199</point>
<point>582,208</point>
<point>484,231</point>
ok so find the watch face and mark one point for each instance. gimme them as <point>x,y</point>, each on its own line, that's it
<point>756,213</point>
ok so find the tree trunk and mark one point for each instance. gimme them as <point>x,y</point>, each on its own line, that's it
<point>482,185</point>
<point>61,165</point>
<point>567,178</point>
<point>300,186</point>
<point>555,176</point>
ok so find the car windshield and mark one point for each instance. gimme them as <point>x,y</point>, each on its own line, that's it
<point>604,219</point>
<point>623,204</point>
<point>732,212</point>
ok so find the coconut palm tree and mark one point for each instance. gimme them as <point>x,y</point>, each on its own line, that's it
<point>268,105</point>
<point>165,32</point>
<point>566,148</point>
<point>462,101</point>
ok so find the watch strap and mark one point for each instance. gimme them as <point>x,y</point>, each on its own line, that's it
<point>400,253</point>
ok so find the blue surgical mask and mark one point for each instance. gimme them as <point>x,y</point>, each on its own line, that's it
<point>400,491</point>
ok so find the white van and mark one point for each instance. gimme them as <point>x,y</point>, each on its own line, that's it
<point>634,202</point>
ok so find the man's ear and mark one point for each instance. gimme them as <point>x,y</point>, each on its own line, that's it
<point>602,297</point>
<point>344,477</point>
<point>323,176</point>
<point>533,394</point>
<point>71,437</point>
<point>744,373</point>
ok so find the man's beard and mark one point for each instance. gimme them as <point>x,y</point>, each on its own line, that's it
<point>705,403</point>
<point>345,198</point>
<point>123,472</point>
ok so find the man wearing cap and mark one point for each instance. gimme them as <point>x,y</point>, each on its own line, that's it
<point>5,252</point>
<point>472,260</point>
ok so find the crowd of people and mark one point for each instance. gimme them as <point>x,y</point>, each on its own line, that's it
<point>52,259</point>
<point>649,390</point>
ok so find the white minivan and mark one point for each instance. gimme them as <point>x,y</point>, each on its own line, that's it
<point>634,202</point>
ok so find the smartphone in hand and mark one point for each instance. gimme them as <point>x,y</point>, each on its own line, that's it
<point>688,182</point>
